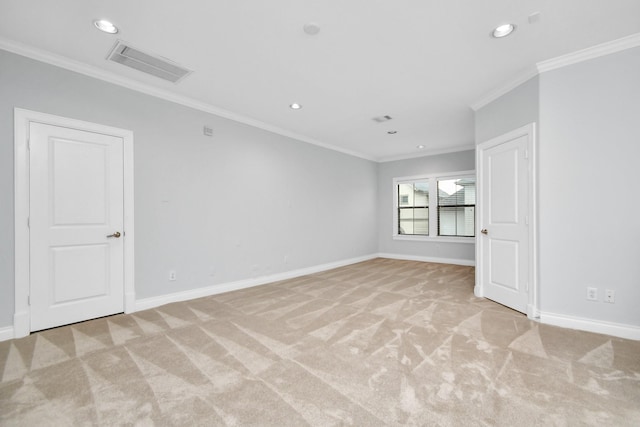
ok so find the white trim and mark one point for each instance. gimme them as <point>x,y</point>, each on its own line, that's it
<point>504,89</point>
<point>6,333</point>
<point>533,303</point>
<point>457,174</point>
<point>107,76</point>
<point>438,239</point>
<point>592,52</point>
<point>427,153</point>
<point>454,261</point>
<point>621,330</point>
<point>22,119</point>
<point>147,303</point>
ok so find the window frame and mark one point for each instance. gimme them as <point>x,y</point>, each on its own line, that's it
<point>433,207</point>
<point>413,207</point>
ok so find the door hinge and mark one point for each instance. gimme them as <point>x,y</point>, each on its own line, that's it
<point>526,154</point>
<point>28,222</point>
<point>28,299</point>
<point>28,143</point>
<point>526,219</point>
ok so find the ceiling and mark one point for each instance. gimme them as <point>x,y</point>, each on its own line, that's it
<point>423,62</point>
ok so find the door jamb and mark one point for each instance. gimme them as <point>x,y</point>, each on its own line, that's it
<point>22,120</point>
<point>529,130</point>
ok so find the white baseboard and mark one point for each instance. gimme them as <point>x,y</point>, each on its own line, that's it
<point>6,333</point>
<point>456,261</point>
<point>590,325</point>
<point>146,303</point>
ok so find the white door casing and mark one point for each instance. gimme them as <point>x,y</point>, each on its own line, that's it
<point>505,242</point>
<point>76,200</point>
<point>73,187</point>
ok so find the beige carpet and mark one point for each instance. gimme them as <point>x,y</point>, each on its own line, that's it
<point>383,342</point>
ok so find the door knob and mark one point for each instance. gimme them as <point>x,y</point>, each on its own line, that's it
<point>116,234</point>
<point>484,231</point>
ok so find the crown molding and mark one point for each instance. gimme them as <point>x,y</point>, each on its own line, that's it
<point>109,77</point>
<point>504,89</point>
<point>426,153</point>
<point>592,52</point>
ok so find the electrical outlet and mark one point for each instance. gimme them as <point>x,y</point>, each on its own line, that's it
<point>609,296</point>
<point>592,294</point>
<point>172,275</point>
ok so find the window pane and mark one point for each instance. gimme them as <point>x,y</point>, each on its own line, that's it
<point>413,208</point>
<point>405,195</point>
<point>406,221</point>
<point>456,207</point>
<point>421,221</point>
<point>456,221</point>
<point>413,221</point>
<point>421,194</point>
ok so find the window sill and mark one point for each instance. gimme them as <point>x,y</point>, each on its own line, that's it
<point>439,239</point>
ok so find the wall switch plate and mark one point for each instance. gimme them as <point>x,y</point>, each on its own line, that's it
<point>172,275</point>
<point>610,296</point>
<point>592,294</point>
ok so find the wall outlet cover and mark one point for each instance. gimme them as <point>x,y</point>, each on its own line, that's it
<point>610,296</point>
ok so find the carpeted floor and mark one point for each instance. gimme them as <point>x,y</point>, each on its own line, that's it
<point>382,342</point>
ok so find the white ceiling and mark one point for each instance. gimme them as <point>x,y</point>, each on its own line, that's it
<point>423,62</point>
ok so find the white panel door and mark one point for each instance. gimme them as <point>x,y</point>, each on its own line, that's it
<point>504,238</point>
<point>76,203</point>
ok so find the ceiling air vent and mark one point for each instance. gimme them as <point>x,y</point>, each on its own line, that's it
<point>381,119</point>
<point>155,65</point>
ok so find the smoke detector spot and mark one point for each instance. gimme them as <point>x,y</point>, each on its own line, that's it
<point>381,119</point>
<point>311,28</point>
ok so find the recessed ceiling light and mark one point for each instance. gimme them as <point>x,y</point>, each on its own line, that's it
<point>392,132</point>
<point>503,30</point>
<point>295,106</point>
<point>106,26</point>
<point>420,147</point>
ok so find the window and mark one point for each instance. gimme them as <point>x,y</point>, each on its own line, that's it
<point>451,201</point>
<point>456,207</point>
<point>413,208</point>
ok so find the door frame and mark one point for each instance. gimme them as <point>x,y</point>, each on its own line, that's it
<point>22,120</point>
<point>530,131</point>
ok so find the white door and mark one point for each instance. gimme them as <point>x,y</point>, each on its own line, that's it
<point>76,225</point>
<point>505,184</point>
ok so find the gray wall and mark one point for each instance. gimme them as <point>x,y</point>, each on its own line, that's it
<point>428,165</point>
<point>215,209</point>
<point>589,149</point>
<point>511,111</point>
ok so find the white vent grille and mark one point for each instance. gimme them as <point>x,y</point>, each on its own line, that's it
<point>124,54</point>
